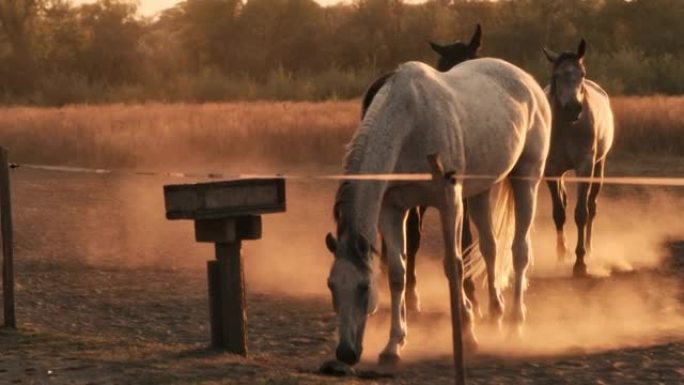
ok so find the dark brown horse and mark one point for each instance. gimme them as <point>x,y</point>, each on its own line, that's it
<point>582,135</point>
<point>449,56</point>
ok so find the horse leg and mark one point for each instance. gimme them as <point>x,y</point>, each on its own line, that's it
<point>524,194</point>
<point>594,191</point>
<point>466,242</point>
<point>559,201</point>
<point>481,215</point>
<point>384,270</point>
<point>581,216</point>
<point>414,228</point>
<point>392,227</point>
<point>451,216</point>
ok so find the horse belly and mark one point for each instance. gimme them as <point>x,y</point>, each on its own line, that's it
<point>493,155</point>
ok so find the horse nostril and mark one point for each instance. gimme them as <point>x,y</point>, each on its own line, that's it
<point>346,354</point>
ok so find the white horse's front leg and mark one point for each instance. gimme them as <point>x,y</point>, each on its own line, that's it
<point>525,193</point>
<point>451,215</point>
<point>481,216</point>
<point>392,228</point>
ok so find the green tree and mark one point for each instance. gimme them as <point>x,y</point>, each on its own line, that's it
<point>17,17</point>
<point>111,49</point>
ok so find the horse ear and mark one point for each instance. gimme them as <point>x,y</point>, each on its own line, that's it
<point>362,245</point>
<point>581,49</point>
<point>331,243</point>
<point>550,55</point>
<point>476,40</point>
<point>438,48</point>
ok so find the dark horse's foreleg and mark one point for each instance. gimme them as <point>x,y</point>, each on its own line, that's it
<point>414,232</point>
<point>594,191</point>
<point>581,217</point>
<point>559,200</point>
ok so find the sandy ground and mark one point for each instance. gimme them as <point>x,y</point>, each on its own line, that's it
<point>109,292</point>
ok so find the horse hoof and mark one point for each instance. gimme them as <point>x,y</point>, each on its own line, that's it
<point>389,360</point>
<point>470,345</point>
<point>477,313</point>
<point>413,304</point>
<point>579,271</point>
<point>494,320</point>
<point>336,368</point>
<point>515,333</point>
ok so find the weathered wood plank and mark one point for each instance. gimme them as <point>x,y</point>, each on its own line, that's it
<point>227,230</point>
<point>225,199</point>
<point>216,230</point>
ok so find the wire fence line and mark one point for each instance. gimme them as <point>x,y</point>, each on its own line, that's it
<point>611,180</point>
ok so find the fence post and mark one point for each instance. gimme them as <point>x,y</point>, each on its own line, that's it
<point>7,242</point>
<point>455,282</point>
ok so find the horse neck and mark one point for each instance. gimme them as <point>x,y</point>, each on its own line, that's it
<point>374,150</point>
<point>358,215</point>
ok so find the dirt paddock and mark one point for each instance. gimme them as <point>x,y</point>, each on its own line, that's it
<point>109,292</point>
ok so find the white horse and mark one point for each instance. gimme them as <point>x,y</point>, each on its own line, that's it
<point>484,117</point>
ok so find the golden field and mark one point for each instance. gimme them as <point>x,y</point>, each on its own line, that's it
<point>272,133</point>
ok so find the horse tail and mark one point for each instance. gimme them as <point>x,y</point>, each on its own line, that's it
<point>503,224</point>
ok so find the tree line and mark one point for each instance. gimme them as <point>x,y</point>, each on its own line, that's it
<point>54,52</point>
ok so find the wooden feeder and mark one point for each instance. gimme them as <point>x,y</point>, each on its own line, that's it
<point>225,213</point>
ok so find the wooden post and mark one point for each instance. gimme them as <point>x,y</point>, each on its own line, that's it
<point>226,213</point>
<point>455,283</point>
<point>214,280</point>
<point>233,306</point>
<point>7,242</point>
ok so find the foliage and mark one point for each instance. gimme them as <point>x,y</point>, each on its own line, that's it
<point>54,52</point>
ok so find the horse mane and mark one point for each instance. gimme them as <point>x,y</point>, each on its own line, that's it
<point>352,164</point>
<point>344,197</point>
<point>357,145</point>
<point>372,90</point>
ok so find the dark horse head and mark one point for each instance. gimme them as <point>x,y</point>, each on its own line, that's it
<point>449,56</point>
<point>567,82</point>
<point>458,52</point>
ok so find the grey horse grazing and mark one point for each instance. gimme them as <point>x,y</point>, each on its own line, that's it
<point>449,56</point>
<point>484,117</point>
<point>581,138</point>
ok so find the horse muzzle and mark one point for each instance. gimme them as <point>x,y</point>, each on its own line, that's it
<point>572,112</point>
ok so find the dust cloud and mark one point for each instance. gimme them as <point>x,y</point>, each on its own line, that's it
<point>119,222</point>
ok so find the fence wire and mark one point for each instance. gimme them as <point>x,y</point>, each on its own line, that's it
<point>609,180</point>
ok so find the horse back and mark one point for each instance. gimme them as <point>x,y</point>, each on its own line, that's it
<point>505,115</point>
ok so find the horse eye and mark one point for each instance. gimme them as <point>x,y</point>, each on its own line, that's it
<point>330,285</point>
<point>363,287</point>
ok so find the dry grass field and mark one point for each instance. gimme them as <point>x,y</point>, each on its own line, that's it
<point>110,292</point>
<point>280,134</point>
